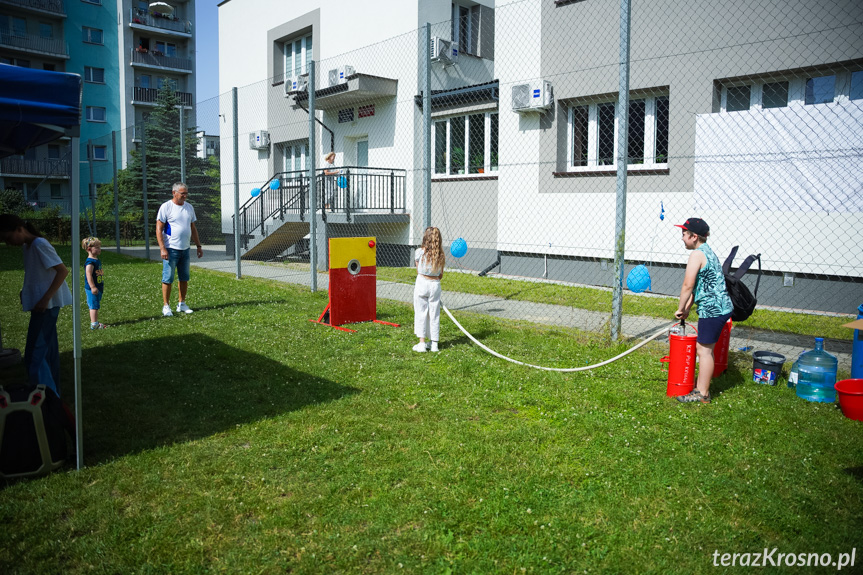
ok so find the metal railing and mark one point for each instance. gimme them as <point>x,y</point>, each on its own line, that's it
<point>55,6</point>
<point>354,189</point>
<point>19,166</point>
<point>31,43</point>
<point>156,20</point>
<point>150,95</point>
<point>154,58</point>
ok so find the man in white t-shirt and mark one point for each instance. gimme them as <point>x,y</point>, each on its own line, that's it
<point>175,226</point>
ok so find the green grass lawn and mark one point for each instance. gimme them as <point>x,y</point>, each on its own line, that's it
<point>245,439</point>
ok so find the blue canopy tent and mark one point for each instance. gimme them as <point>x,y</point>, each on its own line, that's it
<point>37,107</point>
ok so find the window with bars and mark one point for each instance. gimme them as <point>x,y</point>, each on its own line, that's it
<point>593,133</point>
<point>466,144</point>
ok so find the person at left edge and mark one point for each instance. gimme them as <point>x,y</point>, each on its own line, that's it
<point>44,293</point>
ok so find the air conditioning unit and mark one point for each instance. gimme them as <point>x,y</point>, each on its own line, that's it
<point>443,51</point>
<point>296,84</point>
<point>340,75</point>
<point>534,97</point>
<point>259,140</point>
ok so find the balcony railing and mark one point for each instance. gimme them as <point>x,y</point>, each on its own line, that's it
<point>22,167</point>
<point>158,60</point>
<point>144,18</point>
<point>150,95</point>
<point>355,189</point>
<point>54,6</point>
<point>30,43</point>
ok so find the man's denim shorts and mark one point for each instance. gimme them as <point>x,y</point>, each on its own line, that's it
<point>177,260</point>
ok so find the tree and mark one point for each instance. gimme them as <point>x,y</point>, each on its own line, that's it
<point>162,135</point>
<point>12,202</point>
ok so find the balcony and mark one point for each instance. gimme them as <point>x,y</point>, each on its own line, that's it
<point>36,168</point>
<point>170,25</point>
<point>31,44</point>
<point>154,59</point>
<point>148,96</point>
<point>53,7</point>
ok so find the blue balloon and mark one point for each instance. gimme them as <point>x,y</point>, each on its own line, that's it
<point>343,182</point>
<point>274,185</point>
<point>256,192</point>
<point>638,279</point>
<point>458,248</point>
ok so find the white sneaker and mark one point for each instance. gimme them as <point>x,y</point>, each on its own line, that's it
<point>182,307</point>
<point>434,346</point>
<point>166,310</point>
<point>420,347</point>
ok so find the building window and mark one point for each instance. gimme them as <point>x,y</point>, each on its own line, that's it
<point>96,114</point>
<point>92,35</point>
<point>46,30</point>
<point>294,155</point>
<point>19,27</point>
<point>774,95</point>
<point>820,90</point>
<point>466,144</point>
<point>94,75</point>
<point>346,115</point>
<point>593,132</point>
<point>366,111</point>
<point>298,55</point>
<point>100,153</point>
<point>48,67</point>
<point>856,86</point>
<point>56,191</point>
<point>166,48</point>
<point>466,21</point>
<point>53,152</point>
<point>144,80</point>
<point>738,98</point>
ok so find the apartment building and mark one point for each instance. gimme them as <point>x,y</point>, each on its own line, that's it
<point>124,51</point>
<point>744,113</point>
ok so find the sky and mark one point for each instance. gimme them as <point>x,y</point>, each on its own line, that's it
<point>207,40</point>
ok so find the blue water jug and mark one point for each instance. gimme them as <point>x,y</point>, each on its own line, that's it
<point>817,374</point>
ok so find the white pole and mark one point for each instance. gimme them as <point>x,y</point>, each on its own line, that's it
<point>76,298</point>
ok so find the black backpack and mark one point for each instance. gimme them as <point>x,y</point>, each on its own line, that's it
<point>744,301</point>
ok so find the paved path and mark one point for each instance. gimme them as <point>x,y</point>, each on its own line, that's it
<point>789,345</point>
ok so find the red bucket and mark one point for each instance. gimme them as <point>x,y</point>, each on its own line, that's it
<point>851,398</point>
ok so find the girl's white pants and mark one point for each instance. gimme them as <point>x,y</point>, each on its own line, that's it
<point>427,308</point>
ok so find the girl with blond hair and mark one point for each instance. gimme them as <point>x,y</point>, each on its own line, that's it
<point>429,260</point>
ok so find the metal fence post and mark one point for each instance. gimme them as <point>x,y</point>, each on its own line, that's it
<point>144,191</point>
<point>116,190</point>
<point>622,161</point>
<point>313,201</point>
<point>182,144</point>
<point>236,129</point>
<point>426,51</point>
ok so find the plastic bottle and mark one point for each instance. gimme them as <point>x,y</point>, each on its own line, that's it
<point>817,374</point>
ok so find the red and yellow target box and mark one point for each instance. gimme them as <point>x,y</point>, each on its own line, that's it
<point>353,280</point>
<point>353,283</point>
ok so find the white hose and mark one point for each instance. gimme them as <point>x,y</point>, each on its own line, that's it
<point>561,369</point>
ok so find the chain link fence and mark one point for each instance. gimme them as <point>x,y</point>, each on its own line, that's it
<point>505,125</point>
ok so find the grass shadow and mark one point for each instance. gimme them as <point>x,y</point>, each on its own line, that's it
<point>184,389</point>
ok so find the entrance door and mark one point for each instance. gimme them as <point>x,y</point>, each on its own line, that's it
<point>361,188</point>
